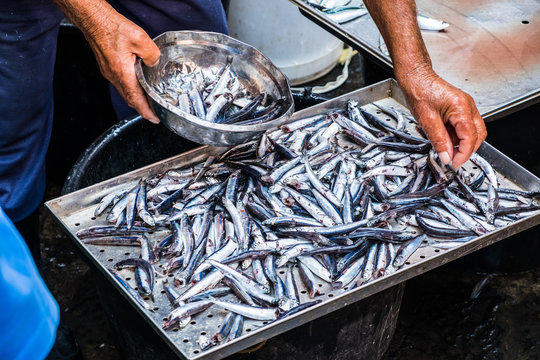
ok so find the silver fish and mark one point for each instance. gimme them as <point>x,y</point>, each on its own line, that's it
<point>344,15</point>
<point>252,312</point>
<point>430,24</point>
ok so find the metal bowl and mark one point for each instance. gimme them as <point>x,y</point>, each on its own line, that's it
<point>208,49</point>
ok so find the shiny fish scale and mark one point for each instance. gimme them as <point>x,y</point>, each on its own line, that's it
<point>208,94</point>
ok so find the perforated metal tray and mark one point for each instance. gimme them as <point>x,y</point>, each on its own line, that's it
<point>75,211</point>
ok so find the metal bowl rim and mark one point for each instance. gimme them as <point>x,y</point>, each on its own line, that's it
<point>218,127</point>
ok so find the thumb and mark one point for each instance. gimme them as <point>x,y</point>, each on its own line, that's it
<point>438,135</point>
<point>148,51</point>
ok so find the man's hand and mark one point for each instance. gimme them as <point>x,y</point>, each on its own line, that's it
<point>447,115</point>
<point>116,42</point>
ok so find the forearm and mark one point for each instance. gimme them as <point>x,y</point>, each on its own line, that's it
<point>396,20</point>
<point>97,20</point>
<point>89,16</point>
<point>447,115</point>
<point>116,42</point>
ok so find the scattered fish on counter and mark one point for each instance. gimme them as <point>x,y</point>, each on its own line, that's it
<point>340,11</point>
<point>215,95</point>
<point>425,23</point>
<point>344,11</point>
<point>344,198</point>
<point>430,24</point>
<point>343,15</point>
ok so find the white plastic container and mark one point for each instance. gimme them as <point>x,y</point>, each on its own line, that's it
<point>300,49</point>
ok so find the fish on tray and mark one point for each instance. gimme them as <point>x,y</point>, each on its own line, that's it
<point>216,95</point>
<point>341,198</point>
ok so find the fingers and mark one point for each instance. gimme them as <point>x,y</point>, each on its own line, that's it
<point>448,117</point>
<point>136,99</point>
<point>481,131</point>
<point>130,89</point>
<point>146,49</point>
<point>452,133</point>
<point>437,133</point>
<point>466,133</point>
<point>140,104</point>
<point>470,130</point>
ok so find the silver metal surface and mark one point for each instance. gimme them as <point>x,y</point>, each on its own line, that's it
<point>208,49</point>
<point>490,50</point>
<point>75,211</point>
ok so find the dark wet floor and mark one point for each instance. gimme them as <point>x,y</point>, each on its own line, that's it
<point>439,320</point>
<point>438,317</point>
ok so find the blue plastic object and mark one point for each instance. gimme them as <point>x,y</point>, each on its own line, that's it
<point>29,314</point>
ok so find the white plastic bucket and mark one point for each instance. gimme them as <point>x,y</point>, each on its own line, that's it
<point>302,50</point>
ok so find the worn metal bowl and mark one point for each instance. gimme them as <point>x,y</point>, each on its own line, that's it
<point>208,49</point>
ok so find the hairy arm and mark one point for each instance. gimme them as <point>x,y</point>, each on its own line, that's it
<point>448,115</point>
<point>116,43</point>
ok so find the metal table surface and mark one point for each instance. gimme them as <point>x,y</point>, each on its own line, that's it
<point>491,49</point>
<point>75,211</point>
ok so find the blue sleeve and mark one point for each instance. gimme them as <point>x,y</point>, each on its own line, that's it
<point>29,314</point>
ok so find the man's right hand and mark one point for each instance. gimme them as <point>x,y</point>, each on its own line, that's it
<point>116,42</point>
<point>447,115</point>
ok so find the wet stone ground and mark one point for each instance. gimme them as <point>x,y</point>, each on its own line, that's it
<point>438,318</point>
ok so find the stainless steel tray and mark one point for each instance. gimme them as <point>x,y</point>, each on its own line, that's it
<point>490,50</point>
<point>75,211</point>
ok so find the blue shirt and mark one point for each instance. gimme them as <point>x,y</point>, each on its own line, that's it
<point>29,314</point>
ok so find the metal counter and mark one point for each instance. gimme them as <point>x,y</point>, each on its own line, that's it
<point>74,211</point>
<point>491,49</point>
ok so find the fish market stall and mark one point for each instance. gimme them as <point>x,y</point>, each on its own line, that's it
<point>488,49</point>
<point>408,229</point>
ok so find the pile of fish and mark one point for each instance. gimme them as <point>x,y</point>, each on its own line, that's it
<point>215,95</point>
<point>343,11</point>
<point>343,198</point>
